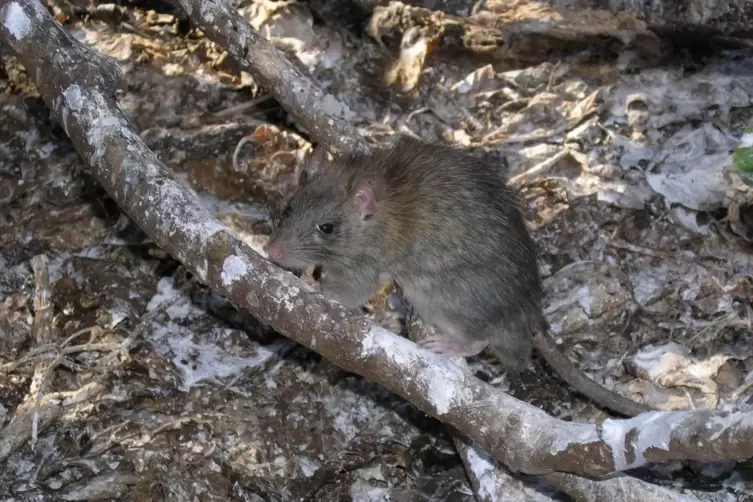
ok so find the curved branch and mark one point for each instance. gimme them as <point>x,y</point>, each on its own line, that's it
<point>318,111</point>
<point>70,78</point>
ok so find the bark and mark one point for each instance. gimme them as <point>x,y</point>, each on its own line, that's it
<point>620,487</point>
<point>78,85</point>
<point>492,483</point>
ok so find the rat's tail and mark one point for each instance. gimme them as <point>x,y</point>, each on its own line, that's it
<point>576,378</point>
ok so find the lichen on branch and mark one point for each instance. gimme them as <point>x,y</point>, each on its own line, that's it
<point>78,85</point>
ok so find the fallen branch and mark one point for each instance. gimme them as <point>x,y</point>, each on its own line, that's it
<point>619,487</point>
<point>78,83</point>
<point>523,32</point>
<point>492,483</point>
<point>318,111</point>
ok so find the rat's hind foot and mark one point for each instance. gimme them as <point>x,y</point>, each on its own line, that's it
<point>452,348</point>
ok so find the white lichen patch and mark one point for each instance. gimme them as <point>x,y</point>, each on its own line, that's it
<point>585,299</point>
<point>101,124</point>
<point>202,269</point>
<point>233,268</point>
<point>654,430</point>
<point>15,20</point>
<point>442,379</point>
<point>746,140</point>
<point>200,361</point>
<point>733,421</point>
<point>482,466</point>
<point>576,434</point>
<point>362,491</point>
<point>287,295</point>
<point>198,356</point>
<point>350,412</point>
<point>73,99</point>
<point>307,466</point>
<point>333,107</point>
<point>73,102</point>
<point>189,216</point>
<point>176,303</point>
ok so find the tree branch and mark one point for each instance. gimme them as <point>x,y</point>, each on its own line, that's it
<point>318,111</point>
<point>77,83</point>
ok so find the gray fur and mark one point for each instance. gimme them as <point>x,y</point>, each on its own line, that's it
<point>449,231</point>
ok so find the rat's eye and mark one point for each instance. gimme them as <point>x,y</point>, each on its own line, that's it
<point>326,228</point>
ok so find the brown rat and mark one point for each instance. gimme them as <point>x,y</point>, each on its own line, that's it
<point>445,226</point>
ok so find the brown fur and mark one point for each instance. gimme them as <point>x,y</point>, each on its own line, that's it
<point>449,231</point>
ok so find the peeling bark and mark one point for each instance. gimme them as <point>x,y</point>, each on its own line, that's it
<point>78,83</point>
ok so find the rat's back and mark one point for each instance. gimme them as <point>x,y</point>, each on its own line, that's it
<point>458,244</point>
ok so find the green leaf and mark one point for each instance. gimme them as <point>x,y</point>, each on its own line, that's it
<point>742,160</point>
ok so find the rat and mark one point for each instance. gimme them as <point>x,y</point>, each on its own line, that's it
<point>448,229</point>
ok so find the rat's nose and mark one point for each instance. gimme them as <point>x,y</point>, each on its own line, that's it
<point>274,250</point>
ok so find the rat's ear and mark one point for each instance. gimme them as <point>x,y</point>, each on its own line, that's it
<point>368,190</point>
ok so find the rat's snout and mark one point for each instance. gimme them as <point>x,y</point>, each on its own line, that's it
<point>274,249</point>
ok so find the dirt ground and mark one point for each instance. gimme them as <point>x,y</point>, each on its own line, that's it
<point>168,392</point>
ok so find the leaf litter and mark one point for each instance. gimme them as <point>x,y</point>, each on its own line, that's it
<point>642,225</point>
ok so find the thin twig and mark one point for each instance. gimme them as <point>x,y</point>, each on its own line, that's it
<point>42,335</point>
<point>243,106</point>
<point>525,177</point>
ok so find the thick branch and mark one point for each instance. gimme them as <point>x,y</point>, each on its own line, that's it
<point>318,111</point>
<point>492,483</point>
<point>70,78</point>
<point>620,487</point>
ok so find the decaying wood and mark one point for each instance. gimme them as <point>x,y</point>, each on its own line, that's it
<point>78,84</point>
<point>524,32</point>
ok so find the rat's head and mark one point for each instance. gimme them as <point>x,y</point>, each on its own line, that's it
<point>326,219</point>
